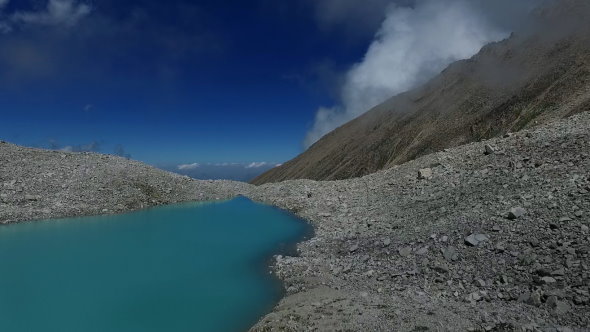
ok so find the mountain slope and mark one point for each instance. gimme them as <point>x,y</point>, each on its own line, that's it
<point>43,184</point>
<point>392,252</point>
<point>535,76</point>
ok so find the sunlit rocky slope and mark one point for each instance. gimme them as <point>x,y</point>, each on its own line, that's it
<point>42,184</point>
<point>489,236</point>
<point>539,74</point>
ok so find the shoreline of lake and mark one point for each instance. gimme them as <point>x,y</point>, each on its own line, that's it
<point>390,249</point>
<point>248,222</point>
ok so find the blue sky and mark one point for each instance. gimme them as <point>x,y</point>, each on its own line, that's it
<point>173,81</point>
<point>209,82</point>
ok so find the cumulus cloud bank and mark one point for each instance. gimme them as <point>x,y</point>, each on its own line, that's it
<point>412,45</point>
<point>56,13</point>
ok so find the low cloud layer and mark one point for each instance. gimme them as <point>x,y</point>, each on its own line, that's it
<point>413,44</point>
<point>188,167</point>
<point>257,164</point>
<point>226,171</point>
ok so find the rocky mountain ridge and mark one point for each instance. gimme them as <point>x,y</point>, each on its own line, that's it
<point>488,236</point>
<point>44,184</point>
<point>539,74</point>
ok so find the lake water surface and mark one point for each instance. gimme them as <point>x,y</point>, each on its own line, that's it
<point>190,267</point>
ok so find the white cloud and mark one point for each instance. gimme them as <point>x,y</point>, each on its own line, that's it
<point>412,45</point>
<point>262,164</point>
<point>257,164</point>
<point>224,164</point>
<point>56,13</point>
<point>188,167</point>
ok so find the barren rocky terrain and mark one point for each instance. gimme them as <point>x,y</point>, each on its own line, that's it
<point>42,184</point>
<point>489,236</point>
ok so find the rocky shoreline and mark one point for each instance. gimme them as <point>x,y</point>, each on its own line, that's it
<point>490,236</point>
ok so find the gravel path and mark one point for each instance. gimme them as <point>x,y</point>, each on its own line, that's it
<point>490,236</point>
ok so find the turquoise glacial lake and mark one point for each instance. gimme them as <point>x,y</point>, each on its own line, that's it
<point>191,267</point>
